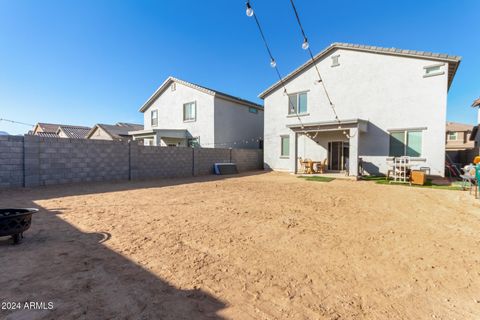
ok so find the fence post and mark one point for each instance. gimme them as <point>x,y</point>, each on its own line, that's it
<point>23,164</point>
<point>129,161</point>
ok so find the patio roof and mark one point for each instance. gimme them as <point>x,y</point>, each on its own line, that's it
<point>164,133</point>
<point>361,124</point>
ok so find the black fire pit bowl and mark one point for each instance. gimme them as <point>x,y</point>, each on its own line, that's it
<point>14,221</point>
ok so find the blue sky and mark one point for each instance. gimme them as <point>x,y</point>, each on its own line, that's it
<point>86,62</point>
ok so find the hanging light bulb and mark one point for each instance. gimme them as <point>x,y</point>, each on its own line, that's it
<point>273,63</point>
<point>249,10</point>
<point>305,44</point>
<point>345,132</point>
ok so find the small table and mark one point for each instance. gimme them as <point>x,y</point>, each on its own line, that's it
<point>310,169</point>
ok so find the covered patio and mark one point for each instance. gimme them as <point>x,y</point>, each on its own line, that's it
<point>329,145</point>
<point>162,137</point>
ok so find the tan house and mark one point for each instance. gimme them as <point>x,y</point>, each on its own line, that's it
<point>458,136</point>
<point>118,131</point>
<point>59,131</point>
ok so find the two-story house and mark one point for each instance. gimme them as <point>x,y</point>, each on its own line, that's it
<point>458,136</point>
<point>389,102</point>
<point>181,113</point>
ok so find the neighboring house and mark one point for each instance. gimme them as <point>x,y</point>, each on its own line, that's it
<point>458,136</point>
<point>475,136</point>
<point>118,131</point>
<point>390,102</point>
<point>59,131</point>
<point>181,113</point>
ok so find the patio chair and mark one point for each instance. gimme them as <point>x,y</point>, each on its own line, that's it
<point>303,167</point>
<point>468,177</point>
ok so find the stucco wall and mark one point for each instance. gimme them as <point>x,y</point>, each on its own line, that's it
<point>390,92</point>
<point>170,113</point>
<point>235,126</point>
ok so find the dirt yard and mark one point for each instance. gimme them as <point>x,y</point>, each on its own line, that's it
<point>258,246</point>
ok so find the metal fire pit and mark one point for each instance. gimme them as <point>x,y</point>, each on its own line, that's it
<point>14,221</point>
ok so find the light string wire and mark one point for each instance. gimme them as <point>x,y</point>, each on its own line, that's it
<point>320,79</point>
<point>17,122</point>
<point>273,62</point>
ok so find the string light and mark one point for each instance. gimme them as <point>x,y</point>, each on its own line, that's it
<point>249,10</point>
<point>306,46</point>
<point>273,62</point>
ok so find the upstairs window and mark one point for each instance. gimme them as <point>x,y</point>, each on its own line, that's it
<point>297,103</point>
<point>452,136</point>
<point>252,110</point>
<point>433,70</point>
<point>335,62</point>
<point>154,118</point>
<point>190,111</point>
<point>406,143</point>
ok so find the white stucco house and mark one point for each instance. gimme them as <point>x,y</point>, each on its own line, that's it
<point>181,113</point>
<point>389,102</point>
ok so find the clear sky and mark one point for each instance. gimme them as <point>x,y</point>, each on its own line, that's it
<point>97,61</point>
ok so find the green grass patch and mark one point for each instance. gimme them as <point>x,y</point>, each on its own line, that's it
<point>317,178</point>
<point>428,183</point>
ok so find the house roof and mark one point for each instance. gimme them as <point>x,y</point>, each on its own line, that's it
<point>47,127</point>
<point>116,131</point>
<point>203,89</point>
<point>46,134</point>
<point>453,61</point>
<point>476,103</point>
<point>456,126</point>
<point>74,132</point>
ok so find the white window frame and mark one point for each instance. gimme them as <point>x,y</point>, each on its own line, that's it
<point>434,70</point>
<point>449,136</point>
<point>295,112</point>
<point>194,103</point>
<point>152,118</point>
<point>335,62</point>
<point>282,155</point>
<point>405,139</point>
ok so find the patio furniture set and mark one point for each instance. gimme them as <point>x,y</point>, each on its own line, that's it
<point>310,166</point>
<point>402,170</point>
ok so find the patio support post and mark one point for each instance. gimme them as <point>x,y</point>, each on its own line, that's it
<point>295,167</point>
<point>353,156</point>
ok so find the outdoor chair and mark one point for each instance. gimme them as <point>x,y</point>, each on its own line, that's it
<point>303,167</point>
<point>468,177</point>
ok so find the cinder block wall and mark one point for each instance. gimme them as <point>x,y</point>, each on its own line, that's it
<point>247,159</point>
<point>11,161</point>
<point>160,162</point>
<point>204,158</point>
<point>51,161</point>
<point>37,161</point>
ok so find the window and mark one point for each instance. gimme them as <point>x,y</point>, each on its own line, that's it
<point>252,110</point>
<point>285,147</point>
<point>335,61</point>
<point>194,142</point>
<point>406,143</point>
<point>190,111</point>
<point>173,86</point>
<point>452,135</point>
<point>433,70</point>
<point>154,116</point>
<point>297,103</point>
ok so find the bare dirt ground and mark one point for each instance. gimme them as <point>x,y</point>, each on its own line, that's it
<point>258,246</point>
